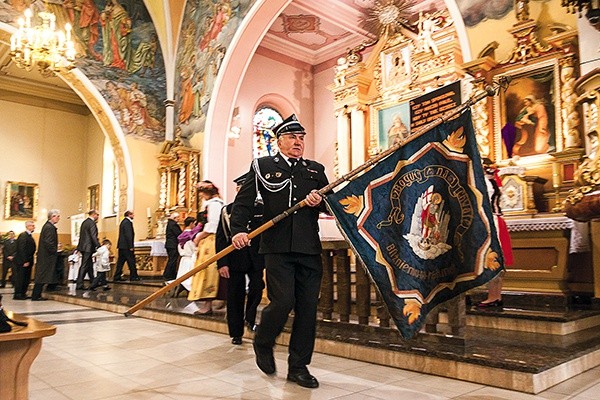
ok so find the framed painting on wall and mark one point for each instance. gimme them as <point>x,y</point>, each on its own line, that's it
<point>526,112</point>
<point>391,124</point>
<point>21,201</point>
<point>93,197</point>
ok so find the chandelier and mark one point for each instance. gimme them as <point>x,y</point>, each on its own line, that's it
<point>41,45</point>
<point>590,7</point>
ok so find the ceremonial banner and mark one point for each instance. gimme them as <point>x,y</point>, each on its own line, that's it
<point>421,222</point>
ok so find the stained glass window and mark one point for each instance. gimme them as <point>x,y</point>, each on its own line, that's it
<point>265,143</point>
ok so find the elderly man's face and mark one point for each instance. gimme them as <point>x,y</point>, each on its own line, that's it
<point>55,218</point>
<point>291,144</point>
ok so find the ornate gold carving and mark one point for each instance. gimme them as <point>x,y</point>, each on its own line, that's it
<point>570,116</point>
<point>344,94</point>
<point>528,45</point>
<point>481,117</point>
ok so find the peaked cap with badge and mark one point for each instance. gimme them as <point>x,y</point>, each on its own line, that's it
<point>289,125</point>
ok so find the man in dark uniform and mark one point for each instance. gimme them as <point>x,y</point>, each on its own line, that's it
<point>292,248</point>
<point>235,267</point>
<point>172,231</point>
<point>8,257</point>
<point>47,256</point>
<point>24,261</point>
<point>125,248</point>
<point>88,243</point>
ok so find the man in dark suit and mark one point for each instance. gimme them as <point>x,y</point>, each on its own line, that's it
<point>8,257</point>
<point>24,261</point>
<point>235,268</point>
<point>125,249</point>
<point>88,243</point>
<point>292,248</point>
<point>47,256</point>
<point>172,232</point>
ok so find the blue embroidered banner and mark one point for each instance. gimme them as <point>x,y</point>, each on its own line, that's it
<point>421,222</point>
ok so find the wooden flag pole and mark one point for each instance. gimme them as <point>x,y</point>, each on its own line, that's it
<point>488,91</point>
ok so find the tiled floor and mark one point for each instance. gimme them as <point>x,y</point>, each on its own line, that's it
<point>101,355</point>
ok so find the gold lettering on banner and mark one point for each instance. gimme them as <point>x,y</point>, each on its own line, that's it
<point>403,266</point>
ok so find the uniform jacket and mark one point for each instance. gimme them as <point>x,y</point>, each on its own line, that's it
<point>173,230</point>
<point>88,236</point>
<point>125,234</point>
<point>246,259</point>
<point>47,255</point>
<point>25,249</point>
<point>296,233</point>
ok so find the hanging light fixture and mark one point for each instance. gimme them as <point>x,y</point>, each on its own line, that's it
<point>591,8</point>
<point>41,45</point>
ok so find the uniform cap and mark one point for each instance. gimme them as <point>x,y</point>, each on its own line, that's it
<point>289,125</point>
<point>240,180</point>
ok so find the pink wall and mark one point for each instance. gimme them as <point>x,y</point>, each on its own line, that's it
<point>291,89</point>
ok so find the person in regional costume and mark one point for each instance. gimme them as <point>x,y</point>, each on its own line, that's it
<point>205,284</point>
<point>187,247</point>
<point>237,268</point>
<point>494,298</point>
<point>292,248</point>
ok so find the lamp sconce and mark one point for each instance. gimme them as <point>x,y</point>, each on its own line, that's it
<point>236,129</point>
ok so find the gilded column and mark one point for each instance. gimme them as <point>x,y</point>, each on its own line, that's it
<point>570,116</point>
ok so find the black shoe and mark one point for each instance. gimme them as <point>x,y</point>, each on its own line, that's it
<point>136,279</point>
<point>264,359</point>
<point>236,340</point>
<point>119,279</point>
<point>491,304</point>
<point>20,297</point>
<point>2,285</point>
<point>304,379</point>
<point>39,299</point>
<point>105,288</point>
<point>81,288</point>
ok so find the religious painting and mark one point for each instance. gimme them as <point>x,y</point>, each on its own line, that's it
<point>208,27</point>
<point>392,125</point>
<point>396,68</point>
<point>93,197</point>
<point>526,112</point>
<point>21,201</point>
<point>119,52</point>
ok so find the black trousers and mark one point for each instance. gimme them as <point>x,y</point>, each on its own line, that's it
<point>172,262</point>
<point>241,307</point>
<point>22,277</point>
<point>125,256</point>
<point>99,280</point>
<point>36,293</point>
<point>6,266</point>
<point>87,268</point>
<point>293,282</point>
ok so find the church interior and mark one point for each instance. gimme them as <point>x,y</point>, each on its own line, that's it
<point>134,103</point>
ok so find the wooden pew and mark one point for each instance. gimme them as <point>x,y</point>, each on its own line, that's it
<point>18,349</point>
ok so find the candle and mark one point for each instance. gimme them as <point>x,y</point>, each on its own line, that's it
<point>148,213</point>
<point>556,174</point>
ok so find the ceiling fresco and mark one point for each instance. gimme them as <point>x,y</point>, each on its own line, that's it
<point>118,51</point>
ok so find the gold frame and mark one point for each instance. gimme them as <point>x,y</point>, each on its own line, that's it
<point>93,197</point>
<point>21,211</point>
<point>518,77</point>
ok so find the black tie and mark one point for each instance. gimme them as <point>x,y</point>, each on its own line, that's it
<point>293,162</point>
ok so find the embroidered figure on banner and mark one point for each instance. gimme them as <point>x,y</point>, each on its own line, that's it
<point>429,226</point>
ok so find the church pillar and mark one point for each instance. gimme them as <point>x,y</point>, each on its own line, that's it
<point>343,142</point>
<point>357,129</point>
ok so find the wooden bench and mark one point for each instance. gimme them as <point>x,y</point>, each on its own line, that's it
<point>18,349</point>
